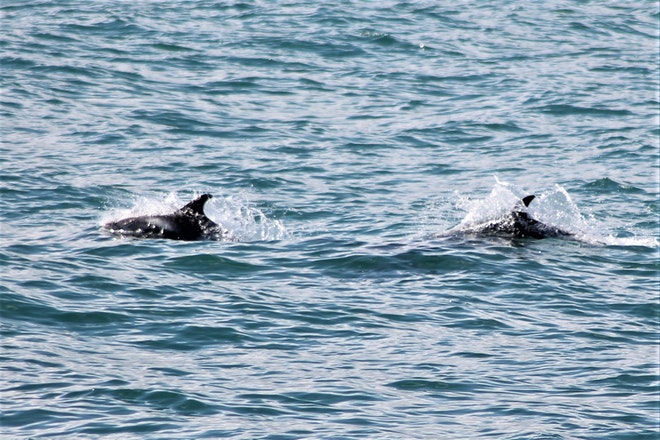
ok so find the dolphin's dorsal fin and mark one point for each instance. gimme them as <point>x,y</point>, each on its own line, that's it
<point>197,205</point>
<point>527,200</point>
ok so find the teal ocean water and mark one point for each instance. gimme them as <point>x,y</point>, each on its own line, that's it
<point>350,149</point>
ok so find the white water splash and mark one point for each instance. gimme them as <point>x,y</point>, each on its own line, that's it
<point>244,221</point>
<point>554,208</point>
<point>500,201</point>
<point>142,205</point>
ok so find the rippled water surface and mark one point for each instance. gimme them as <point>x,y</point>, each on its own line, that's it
<point>350,147</point>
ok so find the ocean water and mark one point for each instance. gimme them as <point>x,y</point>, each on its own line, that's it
<point>349,147</point>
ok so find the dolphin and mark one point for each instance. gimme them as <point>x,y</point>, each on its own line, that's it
<point>187,223</point>
<point>519,224</point>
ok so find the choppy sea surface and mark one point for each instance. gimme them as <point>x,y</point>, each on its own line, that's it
<point>350,147</point>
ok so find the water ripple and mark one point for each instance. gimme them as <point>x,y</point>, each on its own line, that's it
<point>341,142</point>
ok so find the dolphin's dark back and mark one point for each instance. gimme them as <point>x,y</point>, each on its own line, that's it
<point>519,224</point>
<point>187,223</point>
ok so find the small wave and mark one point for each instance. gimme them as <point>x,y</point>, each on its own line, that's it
<point>565,109</point>
<point>636,241</point>
<point>608,185</point>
